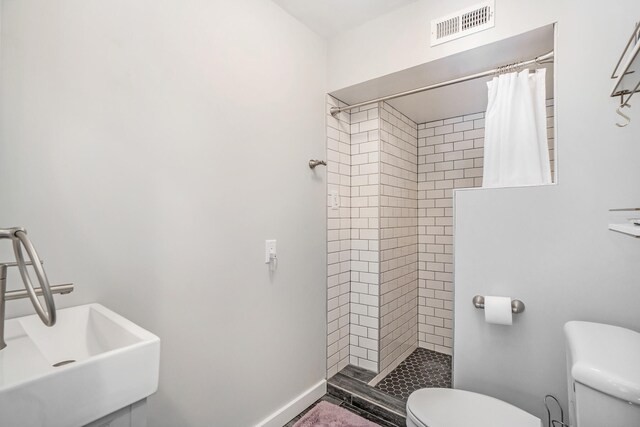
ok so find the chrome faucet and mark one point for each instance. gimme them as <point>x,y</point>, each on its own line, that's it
<point>19,238</point>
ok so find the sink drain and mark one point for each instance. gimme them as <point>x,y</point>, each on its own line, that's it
<point>64,362</point>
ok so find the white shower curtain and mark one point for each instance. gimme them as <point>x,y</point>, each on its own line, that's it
<point>516,151</point>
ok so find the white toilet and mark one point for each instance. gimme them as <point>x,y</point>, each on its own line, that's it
<point>604,375</point>
<point>444,407</point>
<point>604,387</point>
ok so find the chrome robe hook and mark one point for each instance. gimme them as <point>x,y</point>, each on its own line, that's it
<point>313,163</point>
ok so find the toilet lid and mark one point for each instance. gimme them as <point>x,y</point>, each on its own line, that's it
<point>444,407</point>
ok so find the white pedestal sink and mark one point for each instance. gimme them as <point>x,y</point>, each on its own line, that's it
<point>115,363</point>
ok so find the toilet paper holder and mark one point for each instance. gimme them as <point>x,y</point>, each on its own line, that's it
<point>517,306</point>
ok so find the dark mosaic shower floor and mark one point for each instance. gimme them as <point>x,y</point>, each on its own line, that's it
<point>423,368</point>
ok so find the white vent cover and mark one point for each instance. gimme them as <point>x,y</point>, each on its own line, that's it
<point>462,23</point>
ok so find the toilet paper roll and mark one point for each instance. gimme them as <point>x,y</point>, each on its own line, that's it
<point>497,310</point>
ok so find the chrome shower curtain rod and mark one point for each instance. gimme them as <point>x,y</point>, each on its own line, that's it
<point>542,59</point>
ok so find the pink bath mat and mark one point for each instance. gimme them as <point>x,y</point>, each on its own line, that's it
<point>326,414</point>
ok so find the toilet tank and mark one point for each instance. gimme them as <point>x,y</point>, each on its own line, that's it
<point>603,373</point>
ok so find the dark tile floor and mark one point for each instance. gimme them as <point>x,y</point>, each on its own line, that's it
<point>338,402</point>
<point>423,368</point>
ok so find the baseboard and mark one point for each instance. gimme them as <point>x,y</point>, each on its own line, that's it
<point>293,408</point>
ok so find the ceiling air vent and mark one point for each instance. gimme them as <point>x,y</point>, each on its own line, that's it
<point>462,23</point>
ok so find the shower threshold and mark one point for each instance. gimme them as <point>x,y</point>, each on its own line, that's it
<point>351,386</point>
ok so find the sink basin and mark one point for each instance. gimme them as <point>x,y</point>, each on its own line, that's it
<point>90,364</point>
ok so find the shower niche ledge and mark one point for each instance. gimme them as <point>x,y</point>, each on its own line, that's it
<point>625,221</point>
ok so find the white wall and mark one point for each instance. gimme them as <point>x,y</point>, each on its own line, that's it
<point>150,147</point>
<point>548,246</point>
<point>402,37</point>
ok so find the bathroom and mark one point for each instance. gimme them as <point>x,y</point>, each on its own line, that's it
<point>154,151</point>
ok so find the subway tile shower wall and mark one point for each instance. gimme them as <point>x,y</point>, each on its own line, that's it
<point>450,155</point>
<point>365,237</point>
<point>390,242</point>
<point>398,236</point>
<point>338,238</point>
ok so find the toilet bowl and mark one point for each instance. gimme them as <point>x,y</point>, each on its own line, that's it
<point>444,407</point>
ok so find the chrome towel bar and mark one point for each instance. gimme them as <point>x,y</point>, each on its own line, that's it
<point>517,306</point>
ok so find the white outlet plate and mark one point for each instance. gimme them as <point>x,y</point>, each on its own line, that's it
<point>334,200</point>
